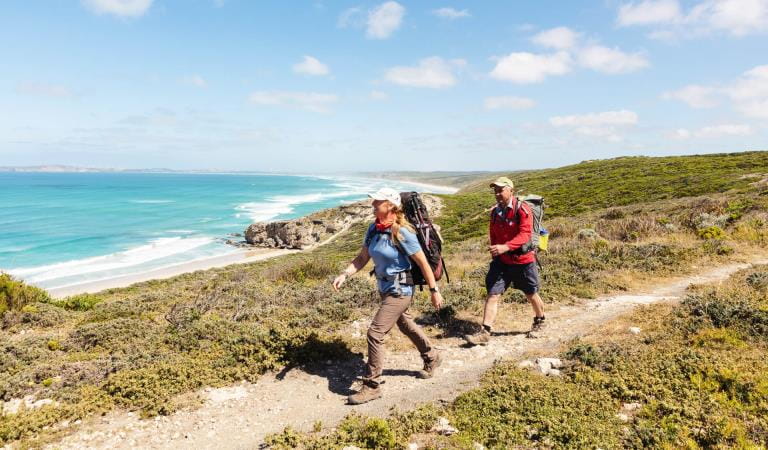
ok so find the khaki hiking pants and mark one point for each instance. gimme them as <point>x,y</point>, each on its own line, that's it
<point>393,310</point>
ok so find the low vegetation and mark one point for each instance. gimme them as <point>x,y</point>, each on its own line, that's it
<point>150,346</point>
<point>696,377</point>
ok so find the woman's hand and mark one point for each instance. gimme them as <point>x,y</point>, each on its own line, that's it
<point>437,300</point>
<point>338,281</point>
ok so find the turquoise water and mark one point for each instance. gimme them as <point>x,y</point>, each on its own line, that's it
<point>63,229</point>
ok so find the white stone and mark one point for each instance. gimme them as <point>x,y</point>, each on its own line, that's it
<point>14,405</point>
<point>631,406</point>
<point>623,417</point>
<point>634,330</point>
<point>553,373</point>
<point>413,446</point>
<point>526,364</point>
<point>351,447</point>
<point>444,427</point>
<point>552,363</point>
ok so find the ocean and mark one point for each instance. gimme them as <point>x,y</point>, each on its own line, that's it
<point>64,229</point>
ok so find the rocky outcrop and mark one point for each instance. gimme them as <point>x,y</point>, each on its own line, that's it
<point>316,228</point>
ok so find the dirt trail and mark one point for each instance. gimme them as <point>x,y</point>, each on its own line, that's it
<point>242,415</point>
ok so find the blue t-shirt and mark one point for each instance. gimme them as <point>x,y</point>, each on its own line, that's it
<point>388,259</point>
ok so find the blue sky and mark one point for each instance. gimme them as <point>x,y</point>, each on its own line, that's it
<point>324,86</point>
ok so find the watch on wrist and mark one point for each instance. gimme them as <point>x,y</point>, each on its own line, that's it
<point>433,289</point>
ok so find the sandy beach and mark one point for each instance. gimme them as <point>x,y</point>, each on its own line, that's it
<point>238,257</point>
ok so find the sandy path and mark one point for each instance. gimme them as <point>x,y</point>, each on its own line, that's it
<point>242,415</point>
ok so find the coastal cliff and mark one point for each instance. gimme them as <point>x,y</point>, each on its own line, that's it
<point>316,228</point>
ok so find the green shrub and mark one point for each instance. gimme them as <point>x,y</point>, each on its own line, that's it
<point>81,302</point>
<point>15,295</point>
<point>712,232</point>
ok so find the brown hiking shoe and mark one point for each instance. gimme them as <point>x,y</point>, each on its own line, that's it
<point>371,390</point>
<point>480,338</point>
<point>537,327</point>
<point>430,365</point>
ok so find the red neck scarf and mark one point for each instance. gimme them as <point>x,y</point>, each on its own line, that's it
<point>382,226</point>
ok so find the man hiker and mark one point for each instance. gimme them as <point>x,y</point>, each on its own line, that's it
<point>511,224</point>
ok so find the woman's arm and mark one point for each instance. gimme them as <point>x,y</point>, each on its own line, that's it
<point>421,260</point>
<point>358,263</point>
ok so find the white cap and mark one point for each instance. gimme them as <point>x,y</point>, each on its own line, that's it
<point>387,194</point>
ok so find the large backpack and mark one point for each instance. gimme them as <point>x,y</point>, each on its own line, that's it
<point>429,239</point>
<point>536,204</point>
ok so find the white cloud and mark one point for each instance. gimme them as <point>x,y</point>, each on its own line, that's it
<point>451,13</point>
<point>125,8</point>
<point>610,60</point>
<point>649,12</point>
<point>44,89</point>
<point>384,20</point>
<point>507,102</point>
<point>748,94</point>
<point>433,72</point>
<point>605,125</point>
<point>560,38</point>
<point>352,17</point>
<point>735,17</point>
<point>738,17</point>
<point>195,80</point>
<point>714,132</point>
<point>694,95</point>
<point>309,101</point>
<point>311,66</point>
<point>526,67</point>
<point>378,95</point>
<point>622,117</point>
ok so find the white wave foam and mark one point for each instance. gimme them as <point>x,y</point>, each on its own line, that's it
<point>156,249</point>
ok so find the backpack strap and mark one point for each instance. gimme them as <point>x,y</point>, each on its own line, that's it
<point>369,234</point>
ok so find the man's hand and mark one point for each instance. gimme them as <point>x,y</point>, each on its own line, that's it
<point>338,281</point>
<point>437,300</point>
<point>497,250</point>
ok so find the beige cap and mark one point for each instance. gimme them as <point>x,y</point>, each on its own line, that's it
<point>387,194</point>
<point>503,181</point>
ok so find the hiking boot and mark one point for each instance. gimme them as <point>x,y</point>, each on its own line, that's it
<point>430,365</point>
<point>371,390</point>
<point>480,338</point>
<point>537,327</point>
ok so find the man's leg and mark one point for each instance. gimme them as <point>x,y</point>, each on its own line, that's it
<point>537,304</point>
<point>491,309</point>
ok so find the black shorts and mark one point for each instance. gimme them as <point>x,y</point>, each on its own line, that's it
<point>524,277</point>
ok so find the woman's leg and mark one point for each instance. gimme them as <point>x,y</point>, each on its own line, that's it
<point>414,332</point>
<point>392,308</point>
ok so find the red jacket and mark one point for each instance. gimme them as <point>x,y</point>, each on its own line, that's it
<point>505,229</point>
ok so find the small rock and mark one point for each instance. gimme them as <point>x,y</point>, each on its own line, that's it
<point>526,364</point>
<point>444,427</point>
<point>350,447</point>
<point>631,406</point>
<point>623,417</point>
<point>413,446</point>
<point>634,330</point>
<point>549,366</point>
<point>477,446</point>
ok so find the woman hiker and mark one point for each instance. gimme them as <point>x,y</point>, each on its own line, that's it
<point>392,243</point>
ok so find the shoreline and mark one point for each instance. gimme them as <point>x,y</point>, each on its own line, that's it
<point>241,256</point>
